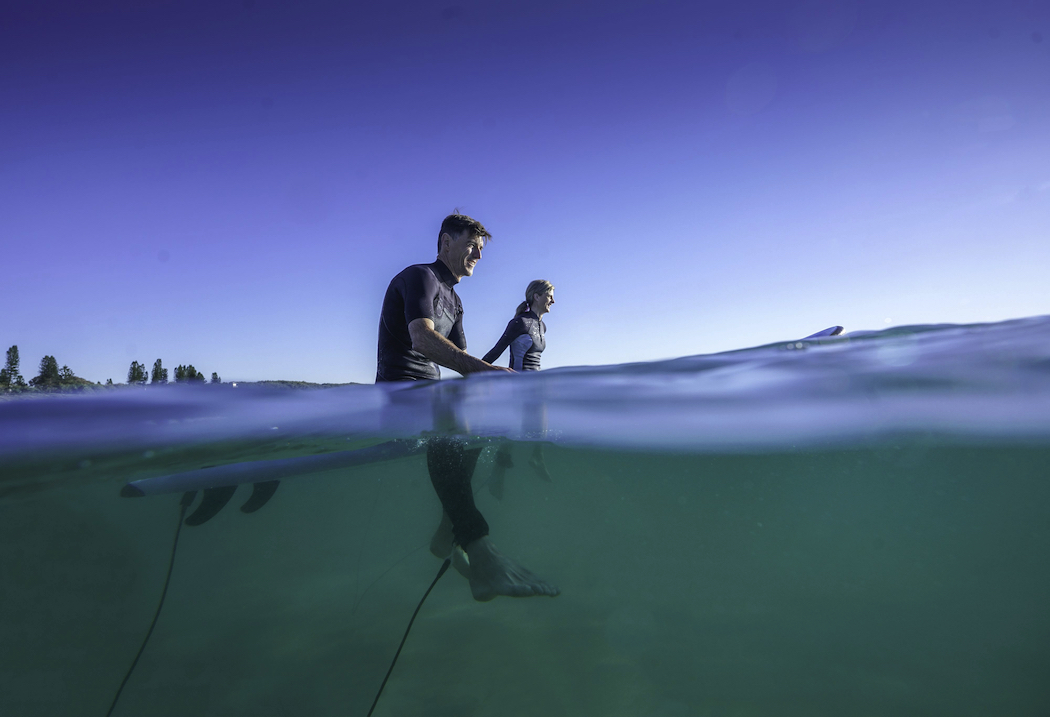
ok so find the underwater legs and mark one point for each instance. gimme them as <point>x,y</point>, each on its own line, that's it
<point>451,467</point>
<point>490,572</point>
<point>504,461</point>
<point>538,465</point>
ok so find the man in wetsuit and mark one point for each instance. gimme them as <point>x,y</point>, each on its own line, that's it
<point>421,327</point>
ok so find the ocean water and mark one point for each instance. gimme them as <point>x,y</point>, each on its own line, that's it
<point>852,526</point>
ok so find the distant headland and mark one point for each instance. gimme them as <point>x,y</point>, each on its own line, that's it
<point>51,378</point>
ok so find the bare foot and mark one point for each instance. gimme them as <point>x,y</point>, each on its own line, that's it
<point>492,574</point>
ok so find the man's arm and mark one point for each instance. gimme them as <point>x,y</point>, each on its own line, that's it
<point>443,352</point>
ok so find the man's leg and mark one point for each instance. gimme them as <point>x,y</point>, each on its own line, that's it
<point>491,573</point>
<point>451,467</point>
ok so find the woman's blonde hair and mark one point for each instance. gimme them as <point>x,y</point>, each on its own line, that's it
<point>537,286</point>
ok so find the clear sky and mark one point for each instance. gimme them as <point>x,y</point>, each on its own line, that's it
<point>233,183</point>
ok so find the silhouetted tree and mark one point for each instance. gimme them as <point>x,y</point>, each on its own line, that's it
<point>65,376</point>
<point>215,378</point>
<point>188,374</point>
<point>11,365</point>
<point>48,376</point>
<point>109,382</point>
<point>160,374</point>
<point>137,373</point>
<point>9,375</point>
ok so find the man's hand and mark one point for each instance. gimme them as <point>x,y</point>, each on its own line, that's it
<point>443,352</point>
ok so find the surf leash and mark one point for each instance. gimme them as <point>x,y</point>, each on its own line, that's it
<point>441,571</point>
<point>187,499</point>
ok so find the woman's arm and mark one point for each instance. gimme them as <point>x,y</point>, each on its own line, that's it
<point>512,332</point>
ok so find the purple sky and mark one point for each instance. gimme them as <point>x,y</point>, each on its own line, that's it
<point>233,184</point>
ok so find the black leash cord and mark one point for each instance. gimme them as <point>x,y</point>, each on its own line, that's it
<point>441,571</point>
<point>187,498</point>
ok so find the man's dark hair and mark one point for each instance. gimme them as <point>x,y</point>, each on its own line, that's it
<point>456,224</point>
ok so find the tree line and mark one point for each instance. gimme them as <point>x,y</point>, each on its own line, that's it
<point>51,376</point>
<point>183,374</point>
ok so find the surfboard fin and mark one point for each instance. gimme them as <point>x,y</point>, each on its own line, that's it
<point>214,500</point>
<point>261,494</point>
<point>131,491</point>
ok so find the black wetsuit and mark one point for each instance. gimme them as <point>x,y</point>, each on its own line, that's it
<point>525,337</point>
<point>427,291</point>
<point>422,291</point>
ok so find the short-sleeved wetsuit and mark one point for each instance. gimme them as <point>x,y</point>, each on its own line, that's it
<point>525,337</point>
<point>426,291</point>
<point>422,291</point>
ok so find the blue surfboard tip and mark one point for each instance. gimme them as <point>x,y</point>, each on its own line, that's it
<point>831,331</point>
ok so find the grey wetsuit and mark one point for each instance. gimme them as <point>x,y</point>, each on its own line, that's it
<point>525,338</point>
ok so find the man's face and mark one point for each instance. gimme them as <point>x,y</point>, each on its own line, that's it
<point>462,253</point>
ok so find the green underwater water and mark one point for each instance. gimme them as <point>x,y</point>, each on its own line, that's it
<point>905,579</point>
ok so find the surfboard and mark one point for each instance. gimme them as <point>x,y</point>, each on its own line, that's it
<point>830,331</point>
<point>262,471</point>
<point>220,482</point>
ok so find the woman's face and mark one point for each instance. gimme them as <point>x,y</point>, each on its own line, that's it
<point>542,303</point>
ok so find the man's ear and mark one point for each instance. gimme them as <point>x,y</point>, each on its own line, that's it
<point>445,237</point>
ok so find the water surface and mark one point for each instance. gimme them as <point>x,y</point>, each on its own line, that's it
<point>853,526</point>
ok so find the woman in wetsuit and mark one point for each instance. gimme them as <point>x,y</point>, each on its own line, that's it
<point>525,338</point>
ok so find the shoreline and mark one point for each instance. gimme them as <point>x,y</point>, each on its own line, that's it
<point>86,387</point>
